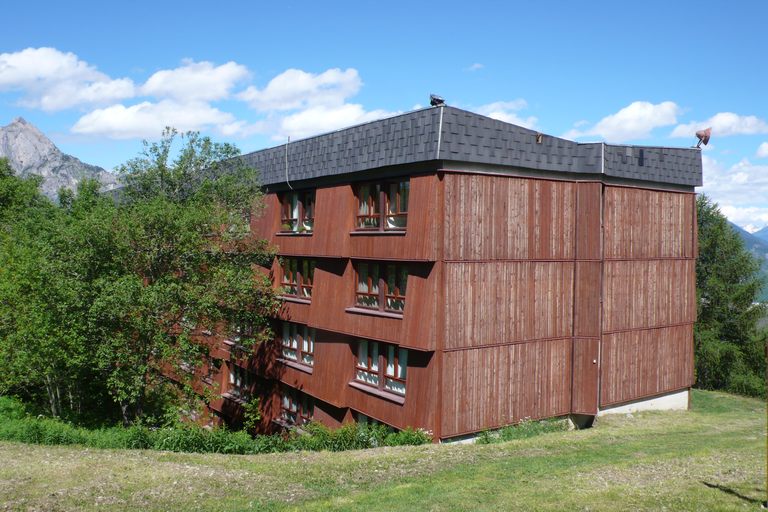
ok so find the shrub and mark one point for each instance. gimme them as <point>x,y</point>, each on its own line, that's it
<point>11,408</point>
<point>523,430</point>
<point>15,425</point>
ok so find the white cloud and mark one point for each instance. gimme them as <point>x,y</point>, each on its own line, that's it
<point>723,124</point>
<point>635,121</point>
<point>475,67</point>
<point>195,81</point>
<point>53,80</point>
<point>147,120</point>
<point>507,111</point>
<point>323,118</point>
<point>295,89</point>
<point>739,190</point>
<point>762,150</point>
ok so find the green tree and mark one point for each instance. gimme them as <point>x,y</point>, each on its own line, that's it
<point>186,259</point>
<point>42,319</point>
<point>728,347</point>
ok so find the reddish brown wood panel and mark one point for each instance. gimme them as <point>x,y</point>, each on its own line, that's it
<point>334,369</point>
<point>589,206</point>
<point>265,220</point>
<point>586,303</point>
<point>504,301</point>
<point>640,294</point>
<point>334,219</point>
<point>421,236</point>
<point>494,386</point>
<point>584,391</point>
<point>638,364</point>
<point>334,293</point>
<point>493,217</point>
<point>418,411</point>
<point>642,223</point>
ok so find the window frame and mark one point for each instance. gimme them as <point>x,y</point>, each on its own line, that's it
<point>302,335</point>
<point>377,369</point>
<point>378,205</point>
<point>304,407</point>
<point>240,382</point>
<point>302,285</point>
<point>304,203</point>
<point>384,299</point>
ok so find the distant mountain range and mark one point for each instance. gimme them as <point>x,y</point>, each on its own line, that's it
<point>757,244</point>
<point>762,234</point>
<point>31,152</point>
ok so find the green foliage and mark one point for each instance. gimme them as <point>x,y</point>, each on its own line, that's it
<point>729,349</point>
<point>17,425</point>
<point>98,298</point>
<point>522,430</point>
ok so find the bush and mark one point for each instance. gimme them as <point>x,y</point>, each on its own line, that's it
<point>523,430</point>
<point>17,425</point>
<point>11,408</point>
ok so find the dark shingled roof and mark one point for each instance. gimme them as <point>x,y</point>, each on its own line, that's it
<point>467,137</point>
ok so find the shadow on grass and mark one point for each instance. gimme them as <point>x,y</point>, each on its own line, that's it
<point>728,490</point>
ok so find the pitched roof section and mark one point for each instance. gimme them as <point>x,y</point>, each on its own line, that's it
<point>467,137</point>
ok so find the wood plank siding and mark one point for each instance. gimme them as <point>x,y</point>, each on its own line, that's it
<point>643,363</point>
<point>527,297</point>
<point>648,293</point>
<point>494,386</point>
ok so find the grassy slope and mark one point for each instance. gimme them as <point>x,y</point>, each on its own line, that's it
<point>711,458</point>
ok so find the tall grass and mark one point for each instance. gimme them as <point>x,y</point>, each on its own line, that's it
<point>17,425</point>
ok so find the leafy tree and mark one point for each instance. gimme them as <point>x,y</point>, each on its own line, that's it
<point>729,349</point>
<point>42,320</point>
<point>99,299</point>
<point>187,259</point>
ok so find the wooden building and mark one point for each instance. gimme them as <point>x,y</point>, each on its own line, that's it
<point>451,272</point>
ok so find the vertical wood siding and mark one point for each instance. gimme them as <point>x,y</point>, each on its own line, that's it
<point>492,217</point>
<point>494,386</point>
<point>420,239</point>
<point>643,223</point>
<point>650,293</point>
<point>584,398</point>
<point>500,302</point>
<point>588,228</point>
<point>586,309</point>
<point>334,292</point>
<point>637,364</point>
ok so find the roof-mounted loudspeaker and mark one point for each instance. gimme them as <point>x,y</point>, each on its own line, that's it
<point>703,136</point>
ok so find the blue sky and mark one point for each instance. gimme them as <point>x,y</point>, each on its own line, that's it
<point>98,77</point>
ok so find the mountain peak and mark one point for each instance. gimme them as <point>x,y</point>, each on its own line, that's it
<point>29,151</point>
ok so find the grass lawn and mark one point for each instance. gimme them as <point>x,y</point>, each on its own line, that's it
<point>710,458</point>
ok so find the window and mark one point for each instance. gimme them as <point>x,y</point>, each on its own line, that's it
<point>298,274</point>
<point>364,420</point>
<point>298,343</point>
<point>240,329</point>
<point>383,206</point>
<point>240,381</point>
<point>381,286</point>
<point>297,408</point>
<point>382,366</point>
<point>297,211</point>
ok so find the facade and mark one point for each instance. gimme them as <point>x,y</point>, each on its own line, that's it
<point>451,272</point>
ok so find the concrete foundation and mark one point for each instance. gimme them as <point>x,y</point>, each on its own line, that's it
<point>677,401</point>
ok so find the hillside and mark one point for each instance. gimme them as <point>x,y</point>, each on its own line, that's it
<point>757,244</point>
<point>762,234</point>
<point>31,152</point>
<point>711,458</point>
